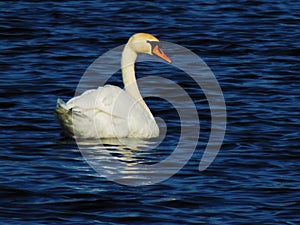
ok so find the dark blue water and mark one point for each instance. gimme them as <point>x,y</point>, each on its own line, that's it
<point>251,46</point>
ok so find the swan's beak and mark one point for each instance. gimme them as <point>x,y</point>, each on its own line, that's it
<point>158,52</point>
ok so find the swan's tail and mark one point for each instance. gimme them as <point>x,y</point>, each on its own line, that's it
<point>64,116</point>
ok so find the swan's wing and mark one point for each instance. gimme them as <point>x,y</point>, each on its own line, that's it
<point>108,111</point>
<point>110,100</point>
<point>102,112</point>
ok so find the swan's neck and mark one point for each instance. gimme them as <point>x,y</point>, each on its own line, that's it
<point>130,85</point>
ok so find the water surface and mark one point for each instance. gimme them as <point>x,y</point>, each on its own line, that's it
<point>253,50</point>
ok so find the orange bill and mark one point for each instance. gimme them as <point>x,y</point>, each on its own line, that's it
<point>158,52</point>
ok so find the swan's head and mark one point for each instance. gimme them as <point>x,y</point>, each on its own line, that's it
<point>147,43</point>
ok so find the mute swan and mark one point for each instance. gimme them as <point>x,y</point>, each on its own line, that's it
<point>109,111</point>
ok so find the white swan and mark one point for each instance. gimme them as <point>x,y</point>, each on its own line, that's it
<point>109,111</point>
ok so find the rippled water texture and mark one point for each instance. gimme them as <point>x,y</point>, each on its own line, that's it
<point>252,47</point>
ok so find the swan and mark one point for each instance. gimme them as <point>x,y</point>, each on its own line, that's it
<point>109,111</point>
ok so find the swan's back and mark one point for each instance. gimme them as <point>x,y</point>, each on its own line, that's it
<point>105,112</point>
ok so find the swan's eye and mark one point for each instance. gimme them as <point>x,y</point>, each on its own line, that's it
<point>153,44</point>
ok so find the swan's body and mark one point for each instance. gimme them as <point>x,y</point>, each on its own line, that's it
<point>109,111</point>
